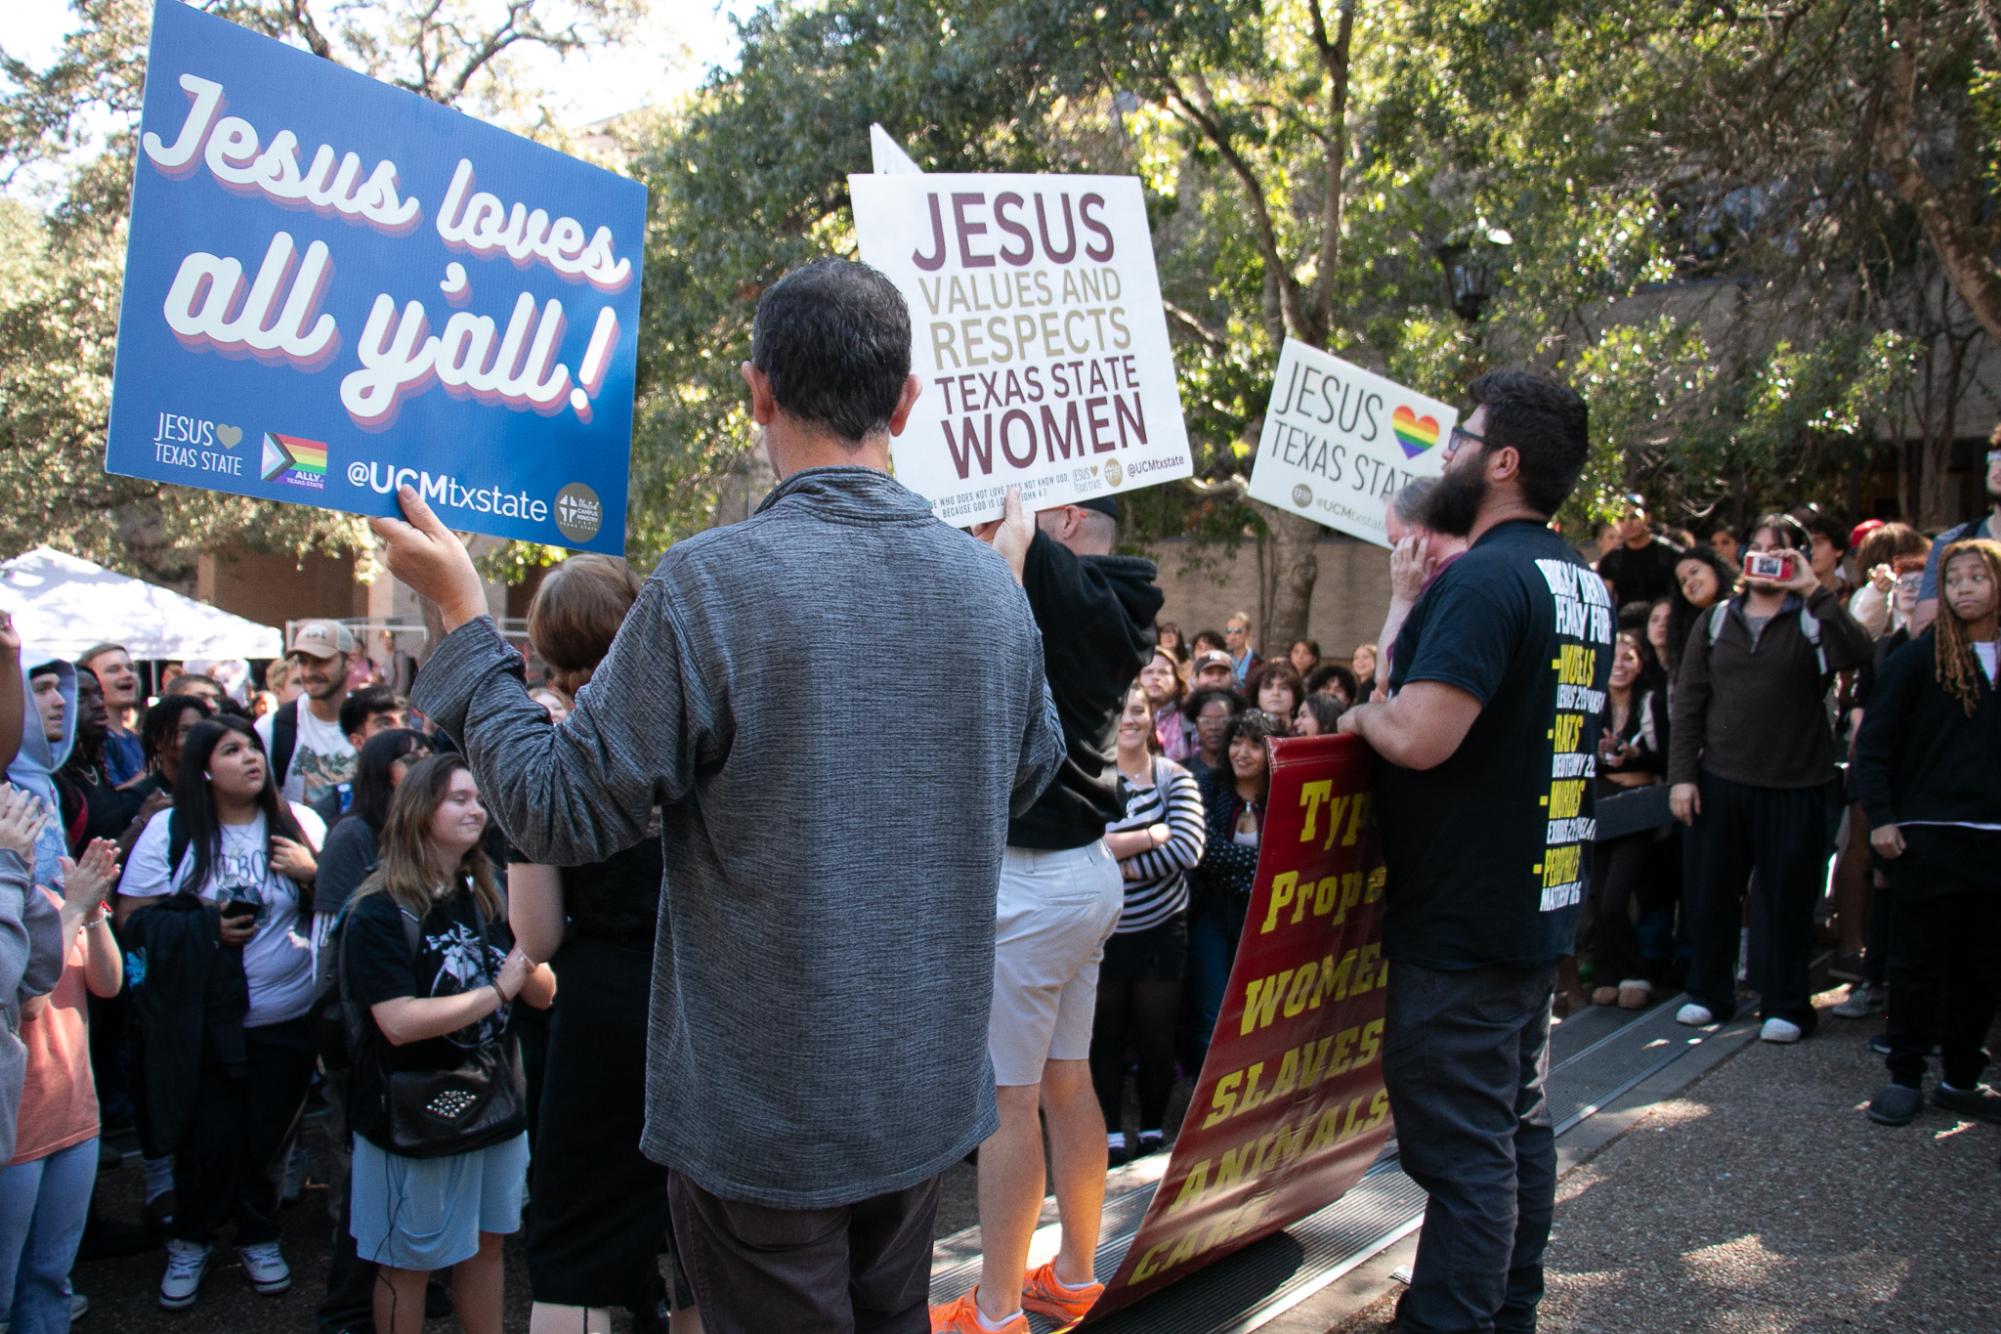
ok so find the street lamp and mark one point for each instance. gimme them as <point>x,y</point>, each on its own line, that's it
<point>1470,260</point>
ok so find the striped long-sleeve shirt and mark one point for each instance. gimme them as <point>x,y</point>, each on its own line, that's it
<point>1157,879</point>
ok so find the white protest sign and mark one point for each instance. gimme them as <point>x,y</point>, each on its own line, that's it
<point>1037,329</point>
<point>1339,441</point>
<point>888,155</point>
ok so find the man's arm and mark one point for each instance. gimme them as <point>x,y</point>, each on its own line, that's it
<point>567,795</point>
<point>1042,746</point>
<point>1421,728</point>
<point>577,793</point>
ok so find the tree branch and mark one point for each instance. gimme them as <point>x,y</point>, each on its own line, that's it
<point>1334,56</point>
<point>1278,276</point>
<point>1963,247</point>
<point>1192,322</point>
<point>316,41</point>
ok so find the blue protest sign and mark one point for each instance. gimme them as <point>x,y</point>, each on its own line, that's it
<point>333,286</point>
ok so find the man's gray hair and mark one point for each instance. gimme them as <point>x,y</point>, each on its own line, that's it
<point>1409,502</point>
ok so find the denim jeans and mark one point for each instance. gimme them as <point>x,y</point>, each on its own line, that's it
<point>1213,932</point>
<point>43,1204</point>
<point>1465,1058</point>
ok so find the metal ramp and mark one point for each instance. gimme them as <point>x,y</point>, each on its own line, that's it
<point>1596,1057</point>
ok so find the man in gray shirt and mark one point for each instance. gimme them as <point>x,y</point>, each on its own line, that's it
<point>824,963</point>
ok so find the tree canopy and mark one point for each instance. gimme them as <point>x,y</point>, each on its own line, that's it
<point>1757,241</point>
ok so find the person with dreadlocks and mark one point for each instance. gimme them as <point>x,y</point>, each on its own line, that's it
<point>1925,762</point>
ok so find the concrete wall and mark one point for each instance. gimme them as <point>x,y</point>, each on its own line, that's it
<point>1204,585</point>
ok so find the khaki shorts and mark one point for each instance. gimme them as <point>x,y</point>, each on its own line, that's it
<point>1053,915</point>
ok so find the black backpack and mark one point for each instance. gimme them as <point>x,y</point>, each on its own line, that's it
<point>339,1023</point>
<point>284,740</point>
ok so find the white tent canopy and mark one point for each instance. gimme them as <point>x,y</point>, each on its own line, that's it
<point>63,605</point>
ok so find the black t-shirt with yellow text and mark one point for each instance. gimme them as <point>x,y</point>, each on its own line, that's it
<point>1489,852</point>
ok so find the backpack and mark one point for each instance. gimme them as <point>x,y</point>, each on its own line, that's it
<point>339,1025</point>
<point>1809,626</point>
<point>284,740</point>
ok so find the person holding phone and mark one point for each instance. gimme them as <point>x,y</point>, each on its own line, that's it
<point>231,841</point>
<point>1751,756</point>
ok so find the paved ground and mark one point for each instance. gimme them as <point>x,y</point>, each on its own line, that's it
<point>1758,1201</point>
<point>1762,1201</point>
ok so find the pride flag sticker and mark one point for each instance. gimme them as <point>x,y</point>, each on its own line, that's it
<point>295,461</point>
<point>1416,434</point>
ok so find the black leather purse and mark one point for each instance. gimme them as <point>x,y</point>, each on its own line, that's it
<point>480,1102</point>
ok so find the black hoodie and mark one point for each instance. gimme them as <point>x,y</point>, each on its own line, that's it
<point>1096,617</point>
<point>1919,757</point>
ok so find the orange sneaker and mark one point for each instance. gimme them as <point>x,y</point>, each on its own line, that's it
<point>1045,1294</point>
<point>962,1316</point>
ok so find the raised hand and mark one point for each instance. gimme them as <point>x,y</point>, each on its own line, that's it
<point>1410,565</point>
<point>425,555</point>
<point>1010,534</point>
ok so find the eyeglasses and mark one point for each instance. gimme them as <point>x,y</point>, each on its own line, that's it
<point>1458,439</point>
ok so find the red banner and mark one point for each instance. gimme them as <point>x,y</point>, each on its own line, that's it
<point>1289,1110</point>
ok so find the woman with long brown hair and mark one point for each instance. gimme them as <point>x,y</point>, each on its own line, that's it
<point>1925,762</point>
<point>600,1220</point>
<point>439,1163</point>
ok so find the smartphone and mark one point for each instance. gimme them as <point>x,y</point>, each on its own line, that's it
<point>238,909</point>
<point>1768,565</point>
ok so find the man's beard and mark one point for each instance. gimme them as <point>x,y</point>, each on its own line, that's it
<point>1454,504</point>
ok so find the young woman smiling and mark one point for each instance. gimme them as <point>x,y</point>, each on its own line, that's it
<point>1158,840</point>
<point>444,1007</point>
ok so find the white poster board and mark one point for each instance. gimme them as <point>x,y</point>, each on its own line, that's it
<point>888,155</point>
<point>1037,329</point>
<point>1339,441</point>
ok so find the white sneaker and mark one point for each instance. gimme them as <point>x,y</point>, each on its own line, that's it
<point>264,1265</point>
<point>187,1261</point>
<point>1780,1030</point>
<point>1694,1015</point>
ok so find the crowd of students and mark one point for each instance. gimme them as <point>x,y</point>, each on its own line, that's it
<point>1820,721</point>
<point>207,921</point>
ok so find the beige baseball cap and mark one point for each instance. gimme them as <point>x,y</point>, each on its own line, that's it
<point>320,639</point>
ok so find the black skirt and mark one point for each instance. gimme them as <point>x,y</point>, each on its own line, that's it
<point>597,1220</point>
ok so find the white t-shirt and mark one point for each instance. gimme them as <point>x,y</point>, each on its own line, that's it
<point>1984,651</point>
<point>278,960</point>
<point>321,761</point>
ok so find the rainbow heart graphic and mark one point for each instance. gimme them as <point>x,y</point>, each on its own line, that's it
<point>1416,434</point>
